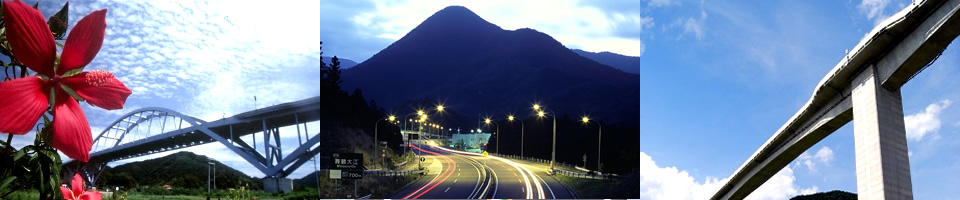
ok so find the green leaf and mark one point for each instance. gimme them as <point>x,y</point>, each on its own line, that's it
<point>6,183</point>
<point>23,151</point>
<point>51,155</point>
<point>73,72</point>
<point>58,22</point>
<point>71,92</point>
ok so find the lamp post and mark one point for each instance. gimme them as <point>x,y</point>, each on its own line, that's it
<point>420,112</point>
<point>376,134</point>
<point>209,164</point>
<point>488,121</point>
<point>510,118</point>
<point>541,113</point>
<point>586,120</point>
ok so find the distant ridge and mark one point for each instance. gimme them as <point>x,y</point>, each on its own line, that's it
<point>628,64</point>
<point>344,63</point>
<point>457,57</point>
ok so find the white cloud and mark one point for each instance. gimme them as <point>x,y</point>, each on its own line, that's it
<point>661,3</point>
<point>926,122</point>
<point>693,25</point>
<point>585,27</point>
<point>824,155</point>
<point>671,183</point>
<point>874,9</point>
<point>879,10</point>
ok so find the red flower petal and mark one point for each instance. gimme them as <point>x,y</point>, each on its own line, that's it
<point>30,37</point>
<point>99,88</point>
<point>71,133</point>
<point>67,194</point>
<point>23,101</point>
<point>84,42</point>
<point>77,184</point>
<point>91,196</point>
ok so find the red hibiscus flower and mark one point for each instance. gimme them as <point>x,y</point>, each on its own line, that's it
<point>60,81</point>
<point>77,193</point>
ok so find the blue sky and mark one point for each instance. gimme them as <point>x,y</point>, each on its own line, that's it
<point>722,92</point>
<point>718,77</point>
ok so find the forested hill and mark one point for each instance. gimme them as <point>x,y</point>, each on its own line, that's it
<point>179,170</point>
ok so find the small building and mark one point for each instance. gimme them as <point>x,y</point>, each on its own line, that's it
<point>473,142</point>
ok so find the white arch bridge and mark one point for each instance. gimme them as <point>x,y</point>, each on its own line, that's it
<point>153,130</point>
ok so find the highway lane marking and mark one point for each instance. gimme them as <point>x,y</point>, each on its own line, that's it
<point>518,180</point>
<point>495,176</point>
<point>548,187</point>
<point>448,189</point>
<point>514,174</point>
<point>455,180</point>
<point>524,191</point>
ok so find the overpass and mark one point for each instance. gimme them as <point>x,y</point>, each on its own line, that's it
<point>154,130</point>
<point>864,87</point>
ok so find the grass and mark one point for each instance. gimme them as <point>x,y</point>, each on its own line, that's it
<point>172,197</point>
<point>588,188</point>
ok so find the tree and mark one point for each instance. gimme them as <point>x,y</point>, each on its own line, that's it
<point>333,73</point>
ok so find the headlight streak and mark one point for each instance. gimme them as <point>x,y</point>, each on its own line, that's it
<point>524,172</point>
<point>445,174</point>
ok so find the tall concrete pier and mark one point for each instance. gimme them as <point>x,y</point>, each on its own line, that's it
<point>883,166</point>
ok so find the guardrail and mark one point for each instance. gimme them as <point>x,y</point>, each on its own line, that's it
<point>594,175</point>
<point>394,173</point>
<point>587,175</point>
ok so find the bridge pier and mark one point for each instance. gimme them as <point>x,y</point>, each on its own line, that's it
<point>883,166</point>
<point>277,185</point>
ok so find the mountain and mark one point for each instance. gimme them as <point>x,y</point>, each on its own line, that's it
<point>477,68</point>
<point>832,195</point>
<point>180,170</point>
<point>344,63</point>
<point>628,64</point>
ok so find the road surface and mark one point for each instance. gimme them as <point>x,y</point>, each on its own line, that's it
<point>457,174</point>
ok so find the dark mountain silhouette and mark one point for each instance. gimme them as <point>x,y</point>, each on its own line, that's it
<point>832,195</point>
<point>180,170</point>
<point>344,63</point>
<point>477,68</point>
<point>627,64</point>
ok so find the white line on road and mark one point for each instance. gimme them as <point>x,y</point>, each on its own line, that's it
<point>524,191</point>
<point>514,174</point>
<point>448,188</point>
<point>455,180</point>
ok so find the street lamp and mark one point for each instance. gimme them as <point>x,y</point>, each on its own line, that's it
<point>209,164</point>
<point>586,120</point>
<point>376,133</point>
<point>488,121</point>
<point>541,113</point>
<point>510,118</point>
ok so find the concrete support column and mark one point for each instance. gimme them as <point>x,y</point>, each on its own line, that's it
<point>883,167</point>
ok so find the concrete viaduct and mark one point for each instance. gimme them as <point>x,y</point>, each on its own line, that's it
<point>864,87</point>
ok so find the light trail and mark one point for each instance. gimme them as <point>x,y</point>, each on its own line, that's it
<point>446,173</point>
<point>520,168</point>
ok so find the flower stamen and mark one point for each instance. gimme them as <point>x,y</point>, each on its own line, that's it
<point>99,77</point>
